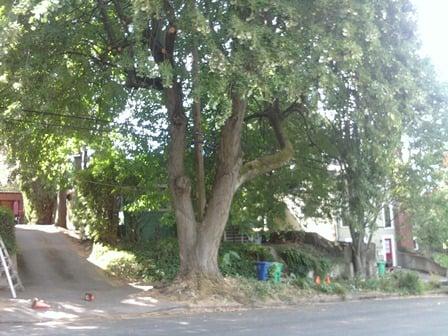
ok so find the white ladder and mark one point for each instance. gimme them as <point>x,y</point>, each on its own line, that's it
<point>7,269</point>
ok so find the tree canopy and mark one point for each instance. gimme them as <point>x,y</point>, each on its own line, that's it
<point>223,94</point>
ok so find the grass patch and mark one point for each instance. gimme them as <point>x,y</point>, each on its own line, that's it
<point>400,282</point>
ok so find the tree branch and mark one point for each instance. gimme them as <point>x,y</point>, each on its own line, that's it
<point>124,19</point>
<point>274,161</point>
<point>106,21</point>
<point>255,116</point>
<point>138,82</point>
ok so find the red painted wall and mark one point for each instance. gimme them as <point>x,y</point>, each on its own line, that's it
<point>13,201</point>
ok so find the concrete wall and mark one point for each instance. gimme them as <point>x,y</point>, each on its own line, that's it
<point>417,262</point>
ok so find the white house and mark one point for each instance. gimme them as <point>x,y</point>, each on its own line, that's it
<point>334,230</point>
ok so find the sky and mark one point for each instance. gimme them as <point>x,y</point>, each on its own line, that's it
<point>433,32</point>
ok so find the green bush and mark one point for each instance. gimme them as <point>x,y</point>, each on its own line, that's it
<point>301,263</point>
<point>441,259</point>
<point>403,282</point>
<point>239,259</point>
<point>302,282</point>
<point>154,261</point>
<point>408,282</point>
<point>434,282</point>
<point>7,231</point>
<point>159,259</point>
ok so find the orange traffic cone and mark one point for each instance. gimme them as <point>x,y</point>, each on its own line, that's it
<point>39,304</point>
<point>327,280</point>
<point>317,281</point>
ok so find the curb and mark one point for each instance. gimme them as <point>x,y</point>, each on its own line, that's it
<point>196,309</point>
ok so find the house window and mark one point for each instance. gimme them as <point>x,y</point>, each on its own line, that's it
<point>387,213</point>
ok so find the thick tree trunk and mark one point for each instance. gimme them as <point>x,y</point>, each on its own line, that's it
<point>359,256</point>
<point>61,220</point>
<point>199,241</point>
<point>200,236</point>
<point>179,183</point>
<point>45,214</point>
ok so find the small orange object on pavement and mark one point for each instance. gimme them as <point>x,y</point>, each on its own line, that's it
<point>317,281</point>
<point>89,297</point>
<point>39,304</point>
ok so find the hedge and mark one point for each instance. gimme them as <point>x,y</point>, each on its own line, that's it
<point>7,229</point>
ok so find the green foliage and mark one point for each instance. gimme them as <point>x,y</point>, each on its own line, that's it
<point>98,202</point>
<point>156,261</point>
<point>159,259</point>
<point>302,282</point>
<point>112,183</point>
<point>428,215</point>
<point>346,76</point>
<point>403,282</point>
<point>434,282</point>
<point>256,290</point>
<point>301,263</point>
<point>408,282</point>
<point>239,259</point>
<point>332,288</point>
<point>441,259</point>
<point>7,231</point>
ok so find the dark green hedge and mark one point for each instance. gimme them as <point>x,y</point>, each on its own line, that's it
<point>7,229</point>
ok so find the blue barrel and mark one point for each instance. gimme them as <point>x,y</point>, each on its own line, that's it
<point>263,270</point>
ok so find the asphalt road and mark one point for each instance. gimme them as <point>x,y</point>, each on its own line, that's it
<point>399,317</point>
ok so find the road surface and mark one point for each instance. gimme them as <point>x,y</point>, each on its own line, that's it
<point>51,268</point>
<point>399,317</point>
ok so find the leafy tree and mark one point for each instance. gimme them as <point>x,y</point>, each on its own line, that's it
<point>204,71</point>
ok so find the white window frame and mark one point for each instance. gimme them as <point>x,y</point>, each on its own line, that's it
<point>390,207</point>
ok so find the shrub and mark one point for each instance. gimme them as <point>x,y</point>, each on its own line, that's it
<point>408,282</point>
<point>441,259</point>
<point>157,262</point>
<point>159,259</point>
<point>7,231</point>
<point>302,282</point>
<point>301,263</point>
<point>117,262</point>
<point>239,259</point>
<point>434,282</point>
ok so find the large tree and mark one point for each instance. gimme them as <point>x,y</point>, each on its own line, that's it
<point>213,68</point>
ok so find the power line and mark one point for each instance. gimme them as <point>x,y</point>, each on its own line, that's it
<point>74,116</point>
<point>66,115</point>
<point>80,117</point>
<point>101,129</point>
